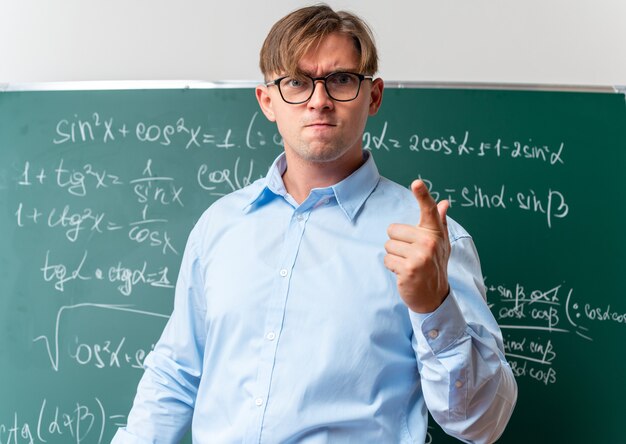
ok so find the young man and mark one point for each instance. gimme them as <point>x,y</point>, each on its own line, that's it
<point>324,303</point>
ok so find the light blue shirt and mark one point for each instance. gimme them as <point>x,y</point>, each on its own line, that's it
<point>288,328</point>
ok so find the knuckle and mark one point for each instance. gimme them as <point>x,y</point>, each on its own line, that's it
<point>413,266</point>
<point>430,245</point>
<point>388,245</point>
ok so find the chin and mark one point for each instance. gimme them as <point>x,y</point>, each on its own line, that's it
<point>323,152</point>
<point>323,156</point>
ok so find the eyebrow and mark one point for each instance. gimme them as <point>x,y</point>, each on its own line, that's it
<point>338,69</point>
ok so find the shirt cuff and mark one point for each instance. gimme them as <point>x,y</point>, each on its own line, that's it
<point>442,327</point>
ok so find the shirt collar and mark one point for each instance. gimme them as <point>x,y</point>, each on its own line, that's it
<point>350,193</point>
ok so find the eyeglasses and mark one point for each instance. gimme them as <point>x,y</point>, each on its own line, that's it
<point>340,86</point>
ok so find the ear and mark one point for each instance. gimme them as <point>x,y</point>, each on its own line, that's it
<point>265,102</point>
<point>376,95</point>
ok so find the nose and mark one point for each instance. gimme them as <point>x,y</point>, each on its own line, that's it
<point>320,98</point>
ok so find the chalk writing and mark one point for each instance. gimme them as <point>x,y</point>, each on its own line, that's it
<point>604,314</point>
<point>380,141</point>
<point>147,190</point>
<point>537,309</point>
<point>108,354</point>
<point>126,277</point>
<point>153,237</point>
<point>177,132</point>
<point>529,318</point>
<point>230,180</point>
<point>81,129</point>
<point>130,277</point>
<point>52,346</point>
<point>73,222</point>
<point>59,272</point>
<point>549,203</point>
<point>83,421</point>
<point>74,180</point>
<point>451,145</point>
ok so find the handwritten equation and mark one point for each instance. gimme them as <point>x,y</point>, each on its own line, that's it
<point>84,421</point>
<point>464,146</point>
<point>126,278</point>
<point>87,353</point>
<point>147,190</point>
<point>106,130</point>
<point>550,204</point>
<point>530,319</point>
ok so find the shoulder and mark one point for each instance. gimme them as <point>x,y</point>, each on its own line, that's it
<point>399,202</point>
<point>226,210</point>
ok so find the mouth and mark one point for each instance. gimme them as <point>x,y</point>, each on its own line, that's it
<point>319,125</point>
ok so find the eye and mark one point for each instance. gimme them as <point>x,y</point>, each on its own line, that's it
<point>342,79</point>
<point>294,83</point>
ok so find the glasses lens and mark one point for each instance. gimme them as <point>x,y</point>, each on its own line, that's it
<point>296,89</point>
<point>343,85</point>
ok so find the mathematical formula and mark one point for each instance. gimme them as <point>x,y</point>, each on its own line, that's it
<point>463,146</point>
<point>531,318</point>
<point>85,421</point>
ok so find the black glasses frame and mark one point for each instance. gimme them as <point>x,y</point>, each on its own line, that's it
<point>361,77</point>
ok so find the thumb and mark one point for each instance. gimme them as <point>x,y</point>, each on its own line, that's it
<point>442,208</point>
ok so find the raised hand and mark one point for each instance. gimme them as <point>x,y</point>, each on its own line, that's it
<point>418,254</point>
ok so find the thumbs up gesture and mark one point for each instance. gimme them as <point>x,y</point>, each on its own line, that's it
<point>418,255</point>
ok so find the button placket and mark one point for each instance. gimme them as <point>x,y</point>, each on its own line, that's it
<point>275,317</point>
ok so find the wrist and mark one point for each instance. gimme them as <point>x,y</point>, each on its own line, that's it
<point>429,307</point>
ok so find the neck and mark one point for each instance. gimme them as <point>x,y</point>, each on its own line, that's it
<point>302,176</point>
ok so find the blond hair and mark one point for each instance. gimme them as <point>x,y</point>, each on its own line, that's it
<point>293,35</point>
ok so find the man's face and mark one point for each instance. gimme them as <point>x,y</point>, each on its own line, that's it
<point>323,130</point>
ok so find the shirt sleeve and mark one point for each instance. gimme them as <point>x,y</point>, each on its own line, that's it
<point>467,383</point>
<point>166,394</point>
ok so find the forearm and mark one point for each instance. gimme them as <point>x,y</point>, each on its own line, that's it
<point>468,386</point>
<point>163,406</point>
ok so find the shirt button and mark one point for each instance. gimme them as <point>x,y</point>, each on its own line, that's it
<point>433,334</point>
<point>458,384</point>
<point>258,402</point>
<point>300,217</point>
<point>270,336</point>
<point>283,272</point>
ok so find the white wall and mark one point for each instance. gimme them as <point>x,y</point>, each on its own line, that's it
<point>570,42</point>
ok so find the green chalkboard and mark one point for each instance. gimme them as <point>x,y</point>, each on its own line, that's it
<point>99,189</point>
